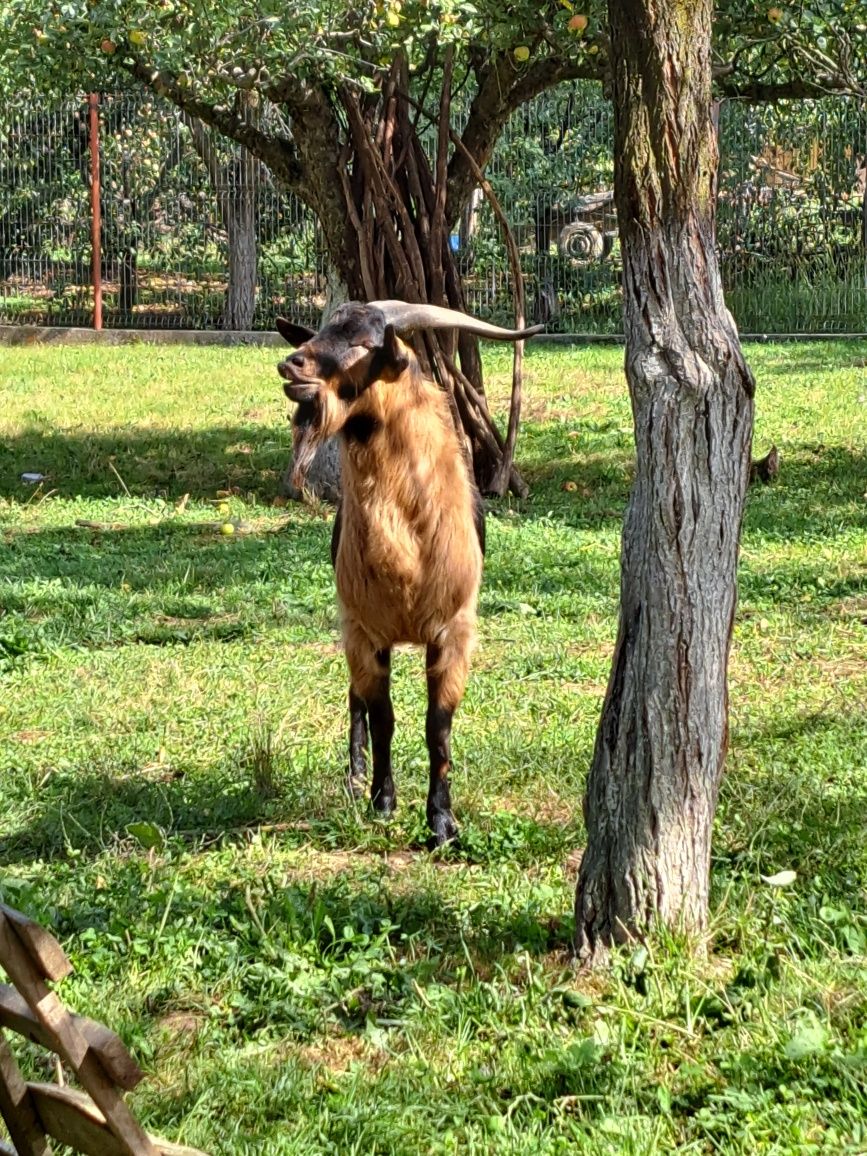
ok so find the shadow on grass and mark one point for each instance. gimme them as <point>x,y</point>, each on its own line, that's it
<point>84,813</point>
<point>820,491</point>
<point>815,485</point>
<point>151,462</point>
<point>172,583</point>
<point>342,908</point>
<point>178,582</point>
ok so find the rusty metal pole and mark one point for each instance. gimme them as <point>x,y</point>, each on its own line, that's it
<point>95,222</point>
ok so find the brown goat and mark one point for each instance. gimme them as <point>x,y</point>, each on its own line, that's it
<point>408,538</point>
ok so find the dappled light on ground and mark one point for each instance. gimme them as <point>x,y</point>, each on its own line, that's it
<point>300,977</point>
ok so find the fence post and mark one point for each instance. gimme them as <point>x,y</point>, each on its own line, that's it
<point>95,222</point>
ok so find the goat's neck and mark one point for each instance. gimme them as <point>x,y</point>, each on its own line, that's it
<point>406,433</point>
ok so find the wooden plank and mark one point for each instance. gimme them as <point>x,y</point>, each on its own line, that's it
<point>17,1109</point>
<point>72,1046</point>
<point>71,1118</point>
<point>106,1045</point>
<point>41,946</point>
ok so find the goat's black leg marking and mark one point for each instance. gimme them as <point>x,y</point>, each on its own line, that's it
<point>357,778</point>
<point>438,730</point>
<point>381,720</point>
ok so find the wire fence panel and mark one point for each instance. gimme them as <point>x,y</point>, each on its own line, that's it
<point>792,215</point>
<point>175,202</point>
<point>45,216</point>
<point>196,234</point>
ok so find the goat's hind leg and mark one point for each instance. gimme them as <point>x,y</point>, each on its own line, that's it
<point>447,668</point>
<point>370,692</point>
<point>356,780</point>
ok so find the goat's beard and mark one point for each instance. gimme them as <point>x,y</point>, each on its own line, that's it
<point>306,428</point>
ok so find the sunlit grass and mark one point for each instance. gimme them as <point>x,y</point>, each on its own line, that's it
<point>298,978</point>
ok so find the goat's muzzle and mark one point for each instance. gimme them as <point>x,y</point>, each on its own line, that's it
<point>300,391</point>
<point>298,388</point>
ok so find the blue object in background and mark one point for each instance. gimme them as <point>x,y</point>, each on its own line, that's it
<point>454,242</point>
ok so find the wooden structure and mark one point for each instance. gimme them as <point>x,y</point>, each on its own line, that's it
<point>95,1122</point>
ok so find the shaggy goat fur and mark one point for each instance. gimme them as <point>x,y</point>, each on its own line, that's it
<point>408,538</point>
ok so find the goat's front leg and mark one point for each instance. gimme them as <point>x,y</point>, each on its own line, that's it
<point>370,691</point>
<point>447,668</point>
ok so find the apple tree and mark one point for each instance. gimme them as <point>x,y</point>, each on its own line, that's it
<point>350,108</point>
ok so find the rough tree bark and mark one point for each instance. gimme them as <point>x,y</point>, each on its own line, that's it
<point>242,246</point>
<point>656,769</point>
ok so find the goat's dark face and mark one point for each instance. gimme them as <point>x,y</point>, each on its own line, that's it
<point>330,369</point>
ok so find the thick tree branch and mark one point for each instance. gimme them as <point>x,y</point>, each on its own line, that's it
<point>768,92</point>
<point>279,154</point>
<point>503,88</point>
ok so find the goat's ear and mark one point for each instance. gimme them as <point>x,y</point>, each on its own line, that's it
<point>391,359</point>
<point>295,334</point>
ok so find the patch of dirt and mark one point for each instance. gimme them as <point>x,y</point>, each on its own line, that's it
<point>32,736</point>
<point>180,1023</point>
<point>322,866</point>
<point>846,666</point>
<point>855,607</point>
<point>339,1052</point>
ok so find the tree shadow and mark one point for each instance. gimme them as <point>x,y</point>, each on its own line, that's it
<point>84,812</point>
<point>171,583</point>
<point>818,485</point>
<point>794,797</point>
<point>150,462</point>
<point>819,492</point>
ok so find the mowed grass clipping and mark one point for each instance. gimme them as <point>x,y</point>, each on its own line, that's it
<point>299,978</point>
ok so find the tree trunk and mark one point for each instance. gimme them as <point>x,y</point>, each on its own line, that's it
<point>657,765</point>
<point>239,216</point>
<point>234,182</point>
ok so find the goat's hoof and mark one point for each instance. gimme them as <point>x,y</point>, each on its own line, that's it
<point>384,804</point>
<point>445,832</point>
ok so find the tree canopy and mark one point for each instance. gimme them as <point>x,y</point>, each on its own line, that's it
<point>205,55</point>
<point>295,59</point>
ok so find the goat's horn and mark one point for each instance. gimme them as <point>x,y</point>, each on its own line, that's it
<point>402,315</point>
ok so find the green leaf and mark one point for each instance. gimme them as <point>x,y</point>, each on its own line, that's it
<point>148,835</point>
<point>809,1039</point>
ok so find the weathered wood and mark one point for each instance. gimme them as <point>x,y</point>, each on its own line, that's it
<point>104,1043</point>
<point>72,1046</point>
<point>17,1109</point>
<point>70,1118</point>
<point>41,946</point>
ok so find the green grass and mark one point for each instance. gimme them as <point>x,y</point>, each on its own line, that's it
<point>298,978</point>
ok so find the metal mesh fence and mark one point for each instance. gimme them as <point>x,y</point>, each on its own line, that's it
<point>182,211</point>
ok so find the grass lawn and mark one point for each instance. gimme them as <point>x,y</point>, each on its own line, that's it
<point>298,978</point>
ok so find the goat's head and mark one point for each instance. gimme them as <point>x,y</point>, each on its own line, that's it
<point>359,346</point>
